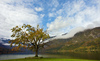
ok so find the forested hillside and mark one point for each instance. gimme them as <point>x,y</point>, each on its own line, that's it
<point>88,40</point>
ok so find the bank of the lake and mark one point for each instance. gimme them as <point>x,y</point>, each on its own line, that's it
<point>50,59</point>
<point>68,55</point>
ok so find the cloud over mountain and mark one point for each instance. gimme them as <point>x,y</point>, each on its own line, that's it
<point>57,16</point>
<point>75,14</point>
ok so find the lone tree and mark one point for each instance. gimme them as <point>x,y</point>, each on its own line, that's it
<point>28,37</point>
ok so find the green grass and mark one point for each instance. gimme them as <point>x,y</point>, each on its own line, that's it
<point>50,59</point>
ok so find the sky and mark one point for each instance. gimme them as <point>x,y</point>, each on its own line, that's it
<point>55,16</point>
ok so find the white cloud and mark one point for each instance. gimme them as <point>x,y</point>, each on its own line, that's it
<point>75,14</point>
<point>11,15</point>
<point>51,15</point>
<point>38,9</point>
<point>54,25</point>
<point>60,23</point>
<point>53,3</point>
<point>42,15</point>
<point>71,33</point>
<point>70,15</point>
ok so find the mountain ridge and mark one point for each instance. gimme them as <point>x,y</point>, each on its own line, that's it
<point>87,40</point>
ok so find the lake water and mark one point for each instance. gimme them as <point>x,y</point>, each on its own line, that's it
<point>69,55</point>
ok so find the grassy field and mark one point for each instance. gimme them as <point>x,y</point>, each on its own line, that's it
<point>50,59</point>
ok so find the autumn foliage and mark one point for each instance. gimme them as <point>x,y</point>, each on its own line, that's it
<point>28,37</point>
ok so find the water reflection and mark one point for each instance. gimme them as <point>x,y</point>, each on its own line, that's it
<point>77,55</point>
<point>14,56</point>
<point>69,55</point>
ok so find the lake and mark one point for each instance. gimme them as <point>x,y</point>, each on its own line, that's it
<point>68,55</point>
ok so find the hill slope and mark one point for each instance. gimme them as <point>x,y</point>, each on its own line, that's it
<point>88,40</point>
<point>6,49</point>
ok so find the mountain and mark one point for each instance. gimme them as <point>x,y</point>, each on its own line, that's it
<point>4,43</point>
<point>52,36</point>
<point>64,34</point>
<point>6,49</point>
<point>88,40</point>
<point>5,40</point>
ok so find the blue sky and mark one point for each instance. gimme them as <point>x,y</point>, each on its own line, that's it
<point>57,16</point>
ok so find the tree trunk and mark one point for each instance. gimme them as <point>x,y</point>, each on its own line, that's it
<point>36,52</point>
